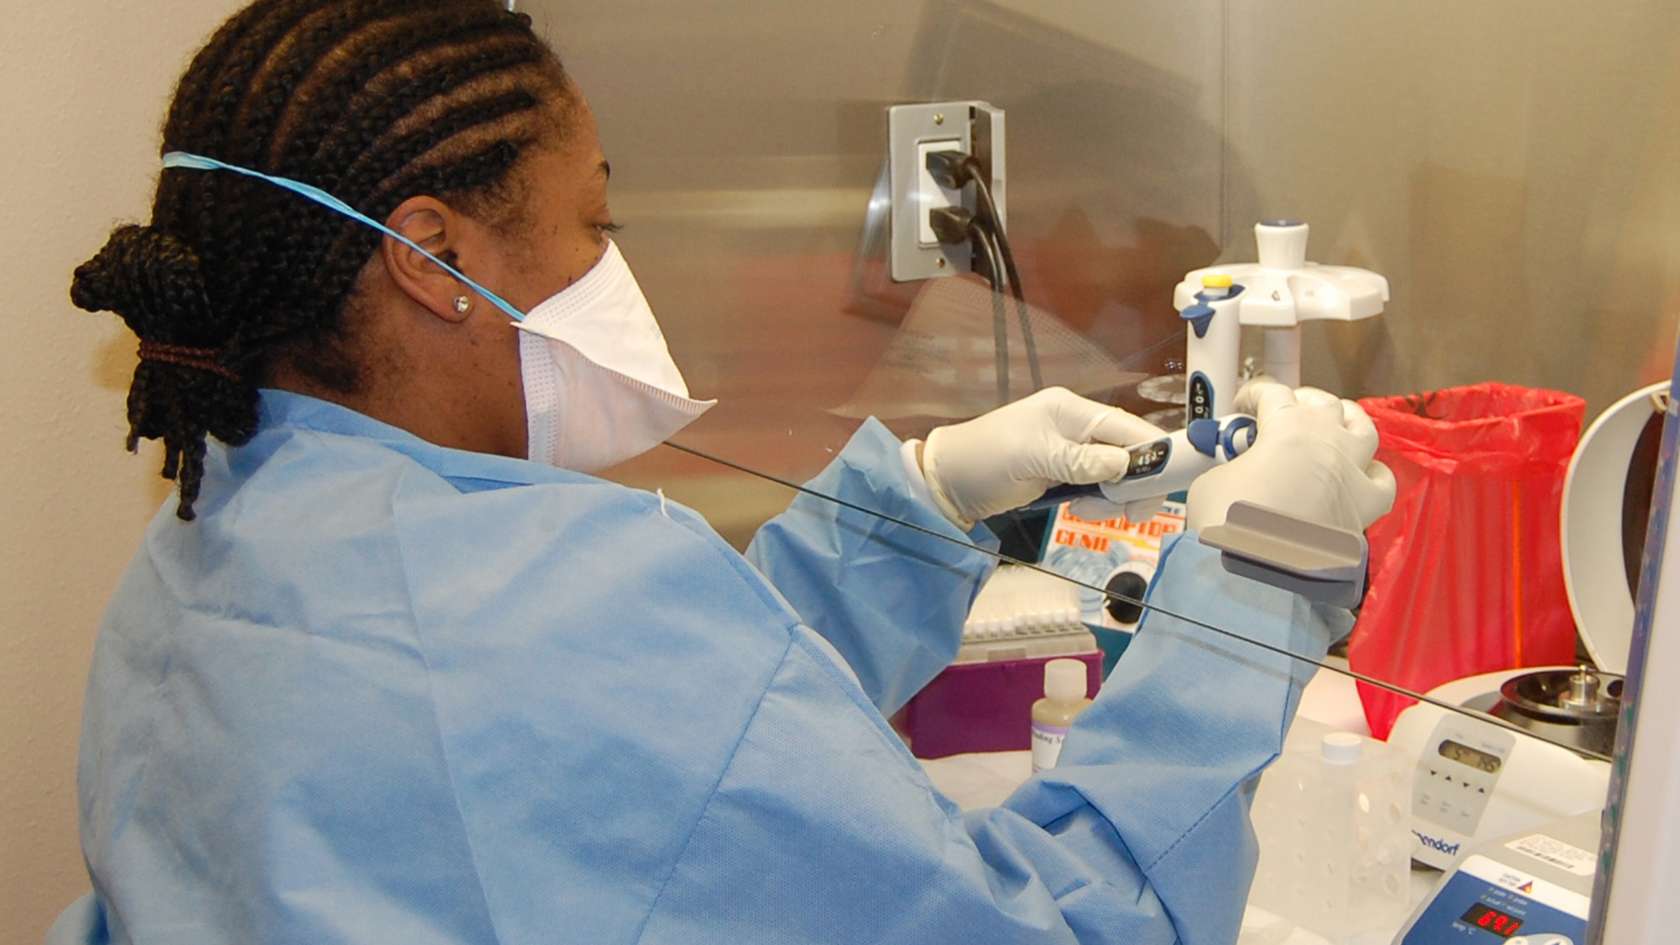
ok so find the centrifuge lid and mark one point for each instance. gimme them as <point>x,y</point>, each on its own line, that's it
<point>1595,572</point>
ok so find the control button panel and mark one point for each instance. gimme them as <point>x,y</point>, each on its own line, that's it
<point>1454,781</point>
<point>1489,902</point>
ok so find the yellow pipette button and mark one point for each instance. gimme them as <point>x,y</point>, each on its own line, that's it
<point>1216,280</point>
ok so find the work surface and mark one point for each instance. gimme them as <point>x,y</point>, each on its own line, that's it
<point>985,780</point>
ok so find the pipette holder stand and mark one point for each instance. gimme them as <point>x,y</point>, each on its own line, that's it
<point>1275,294</point>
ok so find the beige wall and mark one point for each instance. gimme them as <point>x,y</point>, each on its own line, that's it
<point>1508,164</point>
<point>83,96</point>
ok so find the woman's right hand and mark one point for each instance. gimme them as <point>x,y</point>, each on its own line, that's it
<point>1313,458</point>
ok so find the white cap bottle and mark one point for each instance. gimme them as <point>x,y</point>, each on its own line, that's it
<point>1066,683</point>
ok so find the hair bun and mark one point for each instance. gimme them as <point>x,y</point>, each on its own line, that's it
<point>152,280</point>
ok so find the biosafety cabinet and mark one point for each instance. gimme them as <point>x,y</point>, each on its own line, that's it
<point>1505,167</point>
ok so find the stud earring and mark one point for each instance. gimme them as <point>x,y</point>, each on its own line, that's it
<point>463,304</point>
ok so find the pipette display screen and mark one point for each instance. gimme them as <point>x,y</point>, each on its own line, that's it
<point>1465,755</point>
<point>1489,919</point>
<point>1149,459</point>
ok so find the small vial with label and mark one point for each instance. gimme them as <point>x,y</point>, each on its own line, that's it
<point>1052,716</point>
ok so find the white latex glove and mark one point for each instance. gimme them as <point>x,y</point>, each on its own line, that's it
<point>1313,458</point>
<point>1011,456</point>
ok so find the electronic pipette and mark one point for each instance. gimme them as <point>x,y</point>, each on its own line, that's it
<point>1166,465</point>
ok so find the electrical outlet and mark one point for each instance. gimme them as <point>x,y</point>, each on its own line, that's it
<point>929,195</point>
<point>914,132</point>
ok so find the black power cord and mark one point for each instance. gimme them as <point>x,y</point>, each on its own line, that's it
<point>954,226</point>
<point>954,170</point>
<point>1021,534</point>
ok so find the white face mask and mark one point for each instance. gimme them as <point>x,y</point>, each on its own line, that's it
<point>600,385</point>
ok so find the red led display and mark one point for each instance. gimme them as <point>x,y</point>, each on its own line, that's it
<point>1489,919</point>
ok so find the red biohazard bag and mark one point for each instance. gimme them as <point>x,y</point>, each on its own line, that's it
<point>1467,571</point>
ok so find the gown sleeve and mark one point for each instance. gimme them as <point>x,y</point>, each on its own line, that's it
<point>889,591</point>
<point>823,828</point>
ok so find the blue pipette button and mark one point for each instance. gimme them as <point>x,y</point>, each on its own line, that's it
<point>1243,429</point>
<point>1200,316</point>
<point>1204,436</point>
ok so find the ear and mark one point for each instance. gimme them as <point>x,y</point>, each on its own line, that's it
<point>432,224</point>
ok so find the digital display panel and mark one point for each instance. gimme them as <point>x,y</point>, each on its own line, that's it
<point>1149,459</point>
<point>1470,757</point>
<point>1489,919</point>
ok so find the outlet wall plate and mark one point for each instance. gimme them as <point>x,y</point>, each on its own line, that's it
<point>972,127</point>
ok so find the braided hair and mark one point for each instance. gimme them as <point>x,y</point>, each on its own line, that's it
<point>375,101</point>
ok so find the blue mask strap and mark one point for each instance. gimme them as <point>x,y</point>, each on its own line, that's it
<point>193,162</point>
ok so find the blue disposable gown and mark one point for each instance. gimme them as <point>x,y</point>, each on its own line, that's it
<point>387,692</point>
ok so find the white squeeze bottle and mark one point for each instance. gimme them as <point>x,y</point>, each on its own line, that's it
<point>1064,698</point>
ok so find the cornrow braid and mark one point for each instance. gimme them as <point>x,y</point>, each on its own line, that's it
<point>376,101</point>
